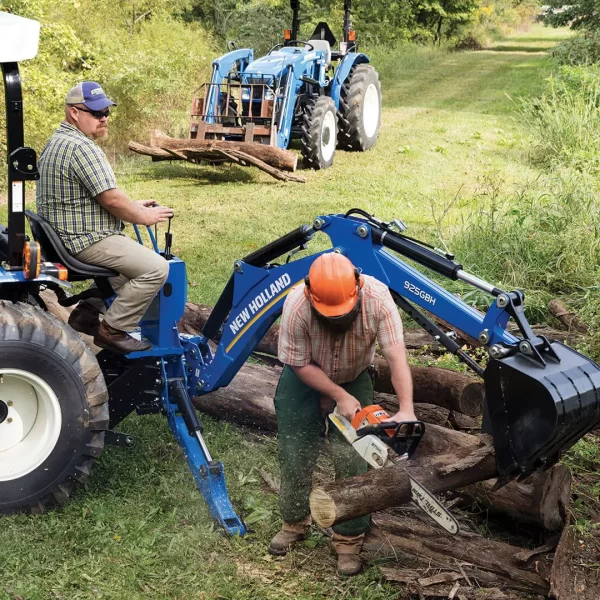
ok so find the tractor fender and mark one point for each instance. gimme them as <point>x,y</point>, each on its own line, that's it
<point>342,72</point>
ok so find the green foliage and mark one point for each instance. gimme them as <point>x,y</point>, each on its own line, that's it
<point>146,60</point>
<point>565,119</point>
<point>578,14</point>
<point>582,49</point>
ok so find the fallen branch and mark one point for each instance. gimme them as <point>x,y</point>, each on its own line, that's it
<point>567,317</point>
<point>417,544</point>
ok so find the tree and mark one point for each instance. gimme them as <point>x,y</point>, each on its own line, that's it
<point>578,14</point>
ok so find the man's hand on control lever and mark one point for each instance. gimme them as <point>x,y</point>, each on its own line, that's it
<point>156,214</point>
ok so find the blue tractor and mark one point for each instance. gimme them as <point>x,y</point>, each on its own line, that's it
<point>302,89</point>
<point>60,403</point>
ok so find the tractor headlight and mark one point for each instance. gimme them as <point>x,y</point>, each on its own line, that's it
<point>269,95</point>
<point>245,93</point>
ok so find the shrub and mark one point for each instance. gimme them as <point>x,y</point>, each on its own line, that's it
<point>582,49</point>
<point>150,68</point>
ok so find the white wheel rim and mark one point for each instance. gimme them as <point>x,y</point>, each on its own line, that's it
<point>31,424</point>
<point>328,136</point>
<point>371,110</point>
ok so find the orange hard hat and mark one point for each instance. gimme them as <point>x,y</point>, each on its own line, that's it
<point>333,284</point>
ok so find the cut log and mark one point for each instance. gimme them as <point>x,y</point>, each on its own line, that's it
<point>431,385</point>
<point>567,317</point>
<point>452,390</point>
<point>445,460</point>
<point>487,562</point>
<point>248,400</point>
<point>285,160</point>
<point>541,499</point>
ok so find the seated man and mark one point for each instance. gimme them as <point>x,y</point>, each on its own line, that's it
<point>329,329</point>
<point>78,195</point>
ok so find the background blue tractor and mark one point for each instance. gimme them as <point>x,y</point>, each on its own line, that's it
<point>302,89</point>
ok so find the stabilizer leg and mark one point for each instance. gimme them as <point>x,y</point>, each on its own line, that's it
<point>209,474</point>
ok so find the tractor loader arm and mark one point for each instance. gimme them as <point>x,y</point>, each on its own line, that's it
<point>541,396</point>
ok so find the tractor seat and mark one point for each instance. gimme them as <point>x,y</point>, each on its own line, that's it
<point>324,46</point>
<point>54,250</point>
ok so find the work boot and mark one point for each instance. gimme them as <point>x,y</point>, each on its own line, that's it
<point>118,341</point>
<point>84,319</point>
<point>348,552</point>
<point>288,535</point>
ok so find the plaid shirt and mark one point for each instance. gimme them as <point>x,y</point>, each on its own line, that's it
<point>73,171</point>
<point>304,340</point>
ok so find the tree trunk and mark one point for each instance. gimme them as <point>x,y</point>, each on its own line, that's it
<point>477,560</point>
<point>542,499</point>
<point>449,389</point>
<point>276,157</point>
<point>445,460</point>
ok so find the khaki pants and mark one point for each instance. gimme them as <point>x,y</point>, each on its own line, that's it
<point>142,274</point>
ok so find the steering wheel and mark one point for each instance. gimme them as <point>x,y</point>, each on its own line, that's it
<point>291,43</point>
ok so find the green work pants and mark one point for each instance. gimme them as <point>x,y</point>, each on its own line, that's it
<point>301,431</point>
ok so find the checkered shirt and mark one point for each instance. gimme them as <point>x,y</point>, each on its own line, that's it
<point>304,340</point>
<point>73,171</point>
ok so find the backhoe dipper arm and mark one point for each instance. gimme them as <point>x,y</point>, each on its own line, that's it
<point>541,396</point>
<point>254,296</point>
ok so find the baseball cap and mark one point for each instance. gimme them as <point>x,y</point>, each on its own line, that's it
<point>90,94</point>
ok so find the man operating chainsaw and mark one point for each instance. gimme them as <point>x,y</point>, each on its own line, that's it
<point>329,329</point>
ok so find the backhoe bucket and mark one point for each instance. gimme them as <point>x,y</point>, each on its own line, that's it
<point>537,412</point>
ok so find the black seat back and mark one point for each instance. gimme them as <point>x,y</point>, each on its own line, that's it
<point>53,250</point>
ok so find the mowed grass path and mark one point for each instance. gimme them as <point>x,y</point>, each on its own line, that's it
<point>141,529</point>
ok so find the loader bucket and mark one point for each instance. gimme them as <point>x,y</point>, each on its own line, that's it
<point>536,412</point>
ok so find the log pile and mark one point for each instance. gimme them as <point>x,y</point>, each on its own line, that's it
<point>278,163</point>
<point>530,558</point>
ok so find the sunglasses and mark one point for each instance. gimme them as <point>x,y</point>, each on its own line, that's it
<point>97,114</point>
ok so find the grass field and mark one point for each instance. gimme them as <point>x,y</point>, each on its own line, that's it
<point>140,529</point>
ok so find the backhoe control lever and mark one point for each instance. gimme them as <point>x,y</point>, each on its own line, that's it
<point>403,438</point>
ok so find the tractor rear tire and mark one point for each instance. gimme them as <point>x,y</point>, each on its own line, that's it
<point>53,409</point>
<point>319,133</point>
<point>360,109</point>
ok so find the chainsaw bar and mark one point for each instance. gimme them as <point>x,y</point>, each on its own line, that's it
<point>431,506</point>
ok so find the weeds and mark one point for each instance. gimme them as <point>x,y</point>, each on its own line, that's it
<point>565,120</point>
<point>542,238</point>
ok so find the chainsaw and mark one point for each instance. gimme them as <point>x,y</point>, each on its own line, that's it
<point>373,438</point>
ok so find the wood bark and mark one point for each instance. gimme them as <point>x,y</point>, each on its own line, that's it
<point>571,578</point>
<point>567,317</point>
<point>542,499</point>
<point>286,160</point>
<point>477,560</point>
<point>445,460</point>
<point>443,387</point>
